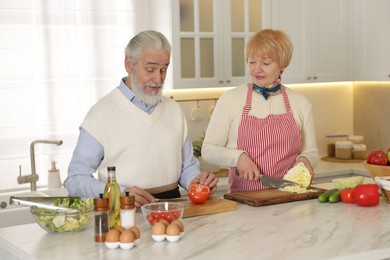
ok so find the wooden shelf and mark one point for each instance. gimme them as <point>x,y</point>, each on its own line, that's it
<point>334,159</point>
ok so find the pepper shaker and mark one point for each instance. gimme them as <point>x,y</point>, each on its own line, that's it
<point>101,218</point>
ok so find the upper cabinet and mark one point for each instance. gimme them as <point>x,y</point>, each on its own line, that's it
<point>319,32</point>
<point>208,40</point>
<point>334,40</point>
<point>373,40</point>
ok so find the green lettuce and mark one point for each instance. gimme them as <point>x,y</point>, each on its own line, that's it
<point>61,222</point>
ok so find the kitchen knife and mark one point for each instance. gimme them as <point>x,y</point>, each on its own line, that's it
<point>41,202</point>
<point>275,182</point>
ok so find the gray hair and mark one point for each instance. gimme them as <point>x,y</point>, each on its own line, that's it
<point>146,39</point>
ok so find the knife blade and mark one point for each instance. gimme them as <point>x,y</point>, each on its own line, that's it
<point>41,202</point>
<point>275,182</point>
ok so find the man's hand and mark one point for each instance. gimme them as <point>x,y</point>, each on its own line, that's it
<point>141,197</point>
<point>207,178</point>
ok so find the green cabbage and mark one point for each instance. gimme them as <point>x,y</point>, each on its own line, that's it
<point>299,174</point>
<point>348,183</point>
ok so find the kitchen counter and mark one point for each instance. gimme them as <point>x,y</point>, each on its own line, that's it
<point>298,230</point>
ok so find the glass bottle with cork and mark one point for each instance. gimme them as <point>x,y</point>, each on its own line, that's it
<point>112,192</point>
<point>127,211</point>
<point>101,218</point>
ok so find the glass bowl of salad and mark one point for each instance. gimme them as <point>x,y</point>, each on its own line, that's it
<point>58,221</point>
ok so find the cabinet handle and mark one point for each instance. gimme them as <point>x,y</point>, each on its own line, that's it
<point>308,78</point>
<point>315,77</point>
<point>221,81</point>
<point>228,81</point>
<point>389,75</point>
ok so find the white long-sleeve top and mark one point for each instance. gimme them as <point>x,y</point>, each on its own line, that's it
<point>220,143</point>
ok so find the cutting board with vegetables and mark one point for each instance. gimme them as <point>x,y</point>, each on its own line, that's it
<point>210,206</point>
<point>271,196</point>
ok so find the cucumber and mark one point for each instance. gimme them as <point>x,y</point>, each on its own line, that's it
<point>324,197</point>
<point>335,197</point>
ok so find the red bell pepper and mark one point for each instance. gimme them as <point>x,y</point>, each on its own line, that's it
<point>366,195</point>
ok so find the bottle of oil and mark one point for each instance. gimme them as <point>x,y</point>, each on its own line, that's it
<point>113,193</point>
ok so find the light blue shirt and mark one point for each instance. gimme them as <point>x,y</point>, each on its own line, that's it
<point>89,153</point>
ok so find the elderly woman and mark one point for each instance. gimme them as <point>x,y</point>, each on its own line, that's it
<point>261,127</point>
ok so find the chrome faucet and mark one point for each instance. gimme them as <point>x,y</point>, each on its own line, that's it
<point>34,177</point>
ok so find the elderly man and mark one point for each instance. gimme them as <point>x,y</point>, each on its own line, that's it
<point>139,131</point>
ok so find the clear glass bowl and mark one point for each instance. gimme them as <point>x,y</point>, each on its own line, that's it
<point>158,211</point>
<point>59,222</point>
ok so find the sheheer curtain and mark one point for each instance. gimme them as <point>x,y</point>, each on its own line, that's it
<point>57,57</point>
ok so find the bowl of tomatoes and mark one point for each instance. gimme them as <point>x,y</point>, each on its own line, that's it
<point>377,163</point>
<point>162,211</point>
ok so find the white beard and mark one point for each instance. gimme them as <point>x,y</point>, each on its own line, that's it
<point>138,89</point>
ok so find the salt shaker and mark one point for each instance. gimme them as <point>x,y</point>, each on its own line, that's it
<point>127,211</point>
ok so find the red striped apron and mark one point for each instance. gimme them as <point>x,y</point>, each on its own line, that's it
<point>273,143</point>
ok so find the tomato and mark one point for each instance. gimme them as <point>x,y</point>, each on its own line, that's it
<point>198,193</point>
<point>366,195</point>
<point>155,216</point>
<point>377,157</point>
<point>347,196</point>
<point>150,218</point>
<point>177,214</point>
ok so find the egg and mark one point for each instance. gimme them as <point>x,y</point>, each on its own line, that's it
<point>136,232</point>
<point>120,228</point>
<point>173,230</point>
<point>178,223</point>
<point>112,235</point>
<point>127,236</point>
<point>158,229</point>
<point>164,221</point>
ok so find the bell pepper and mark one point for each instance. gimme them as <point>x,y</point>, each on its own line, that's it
<point>366,195</point>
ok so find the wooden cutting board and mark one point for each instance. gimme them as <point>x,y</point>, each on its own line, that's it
<point>271,196</point>
<point>210,206</point>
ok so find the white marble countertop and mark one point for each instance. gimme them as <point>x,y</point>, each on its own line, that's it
<point>297,230</point>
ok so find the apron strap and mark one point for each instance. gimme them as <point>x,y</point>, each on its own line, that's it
<point>286,100</point>
<point>248,101</point>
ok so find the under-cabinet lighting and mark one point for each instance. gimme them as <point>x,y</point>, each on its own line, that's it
<point>215,93</point>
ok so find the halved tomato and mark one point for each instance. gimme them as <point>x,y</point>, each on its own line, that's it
<point>198,193</point>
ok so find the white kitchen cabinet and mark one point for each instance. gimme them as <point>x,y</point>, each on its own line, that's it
<point>319,32</point>
<point>208,40</point>
<point>373,39</point>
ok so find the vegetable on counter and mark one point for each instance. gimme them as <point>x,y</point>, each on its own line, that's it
<point>348,183</point>
<point>347,196</point>
<point>324,197</point>
<point>335,197</point>
<point>366,195</point>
